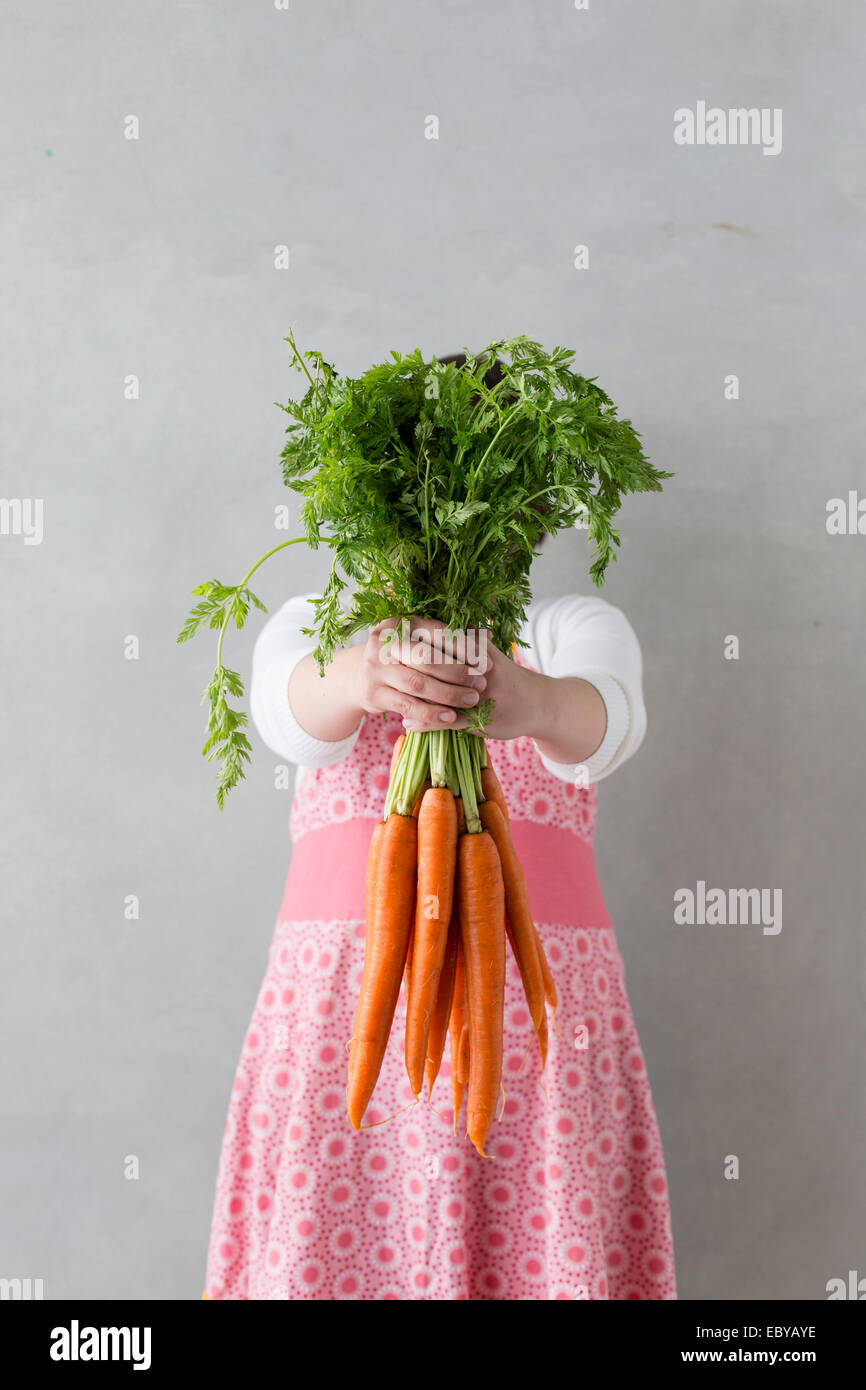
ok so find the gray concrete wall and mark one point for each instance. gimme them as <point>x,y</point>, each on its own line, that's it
<point>154,257</point>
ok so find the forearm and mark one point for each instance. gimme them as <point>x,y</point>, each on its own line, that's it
<point>565,715</point>
<point>325,706</point>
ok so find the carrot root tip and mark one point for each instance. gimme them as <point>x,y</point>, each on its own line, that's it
<point>375,1123</point>
<point>502,1110</point>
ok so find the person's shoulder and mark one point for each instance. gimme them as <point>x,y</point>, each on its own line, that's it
<point>560,607</point>
<point>298,600</point>
<point>547,605</point>
<point>554,623</point>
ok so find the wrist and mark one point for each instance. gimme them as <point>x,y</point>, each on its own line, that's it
<point>569,719</point>
<point>352,660</point>
<point>324,706</point>
<point>535,697</point>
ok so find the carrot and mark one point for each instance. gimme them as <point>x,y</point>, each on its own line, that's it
<point>417,807</point>
<point>549,986</point>
<point>492,788</point>
<point>457,1030</point>
<point>407,973</point>
<point>372,866</point>
<point>392,909</point>
<point>395,755</point>
<point>407,969</point>
<point>542,1033</point>
<point>481,895</point>
<point>463,1054</point>
<point>524,941</point>
<point>437,851</point>
<point>444,1000</point>
<point>372,873</point>
<point>461,815</point>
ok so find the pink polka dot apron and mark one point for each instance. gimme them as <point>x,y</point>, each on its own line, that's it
<point>572,1203</point>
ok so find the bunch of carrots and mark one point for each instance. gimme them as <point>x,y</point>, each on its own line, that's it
<point>445,892</point>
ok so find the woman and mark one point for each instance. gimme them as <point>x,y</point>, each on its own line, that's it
<point>572,1203</point>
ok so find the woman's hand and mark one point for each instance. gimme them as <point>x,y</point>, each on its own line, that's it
<point>414,673</point>
<point>565,715</point>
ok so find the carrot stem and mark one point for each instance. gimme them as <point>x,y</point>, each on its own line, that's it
<point>438,758</point>
<point>409,776</point>
<point>466,779</point>
<point>475,749</point>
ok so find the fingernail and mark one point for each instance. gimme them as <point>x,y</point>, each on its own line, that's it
<point>480,682</point>
<point>447,715</point>
<point>470,697</point>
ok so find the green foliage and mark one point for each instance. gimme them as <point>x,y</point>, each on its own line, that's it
<point>226,738</point>
<point>431,489</point>
<point>221,603</point>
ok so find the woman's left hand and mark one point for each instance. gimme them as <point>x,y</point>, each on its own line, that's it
<point>515,691</point>
<point>513,688</point>
<point>565,715</point>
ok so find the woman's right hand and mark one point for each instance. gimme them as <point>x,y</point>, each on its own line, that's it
<point>414,673</point>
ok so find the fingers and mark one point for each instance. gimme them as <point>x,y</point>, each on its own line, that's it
<point>433,661</point>
<point>428,675</point>
<point>412,693</point>
<point>421,684</point>
<point>427,645</point>
<point>419,715</point>
<point>424,672</point>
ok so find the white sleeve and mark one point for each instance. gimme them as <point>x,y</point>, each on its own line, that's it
<point>279,647</point>
<point>588,637</point>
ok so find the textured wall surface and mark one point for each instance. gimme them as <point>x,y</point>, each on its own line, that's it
<point>155,258</point>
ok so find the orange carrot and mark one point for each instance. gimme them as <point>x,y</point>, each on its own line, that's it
<point>407,973</point>
<point>542,1033</point>
<point>417,807</point>
<point>481,895</point>
<point>460,1036</point>
<point>444,1000</point>
<point>523,935</point>
<point>372,873</point>
<point>437,851</point>
<point>463,1054</point>
<point>407,969</point>
<point>492,788</point>
<point>395,755</point>
<point>393,908</point>
<point>549,986</point>
<point>372,866</point>
<point>457,1029</point>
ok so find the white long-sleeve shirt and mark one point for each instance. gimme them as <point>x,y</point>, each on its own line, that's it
<point>576,635</point>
